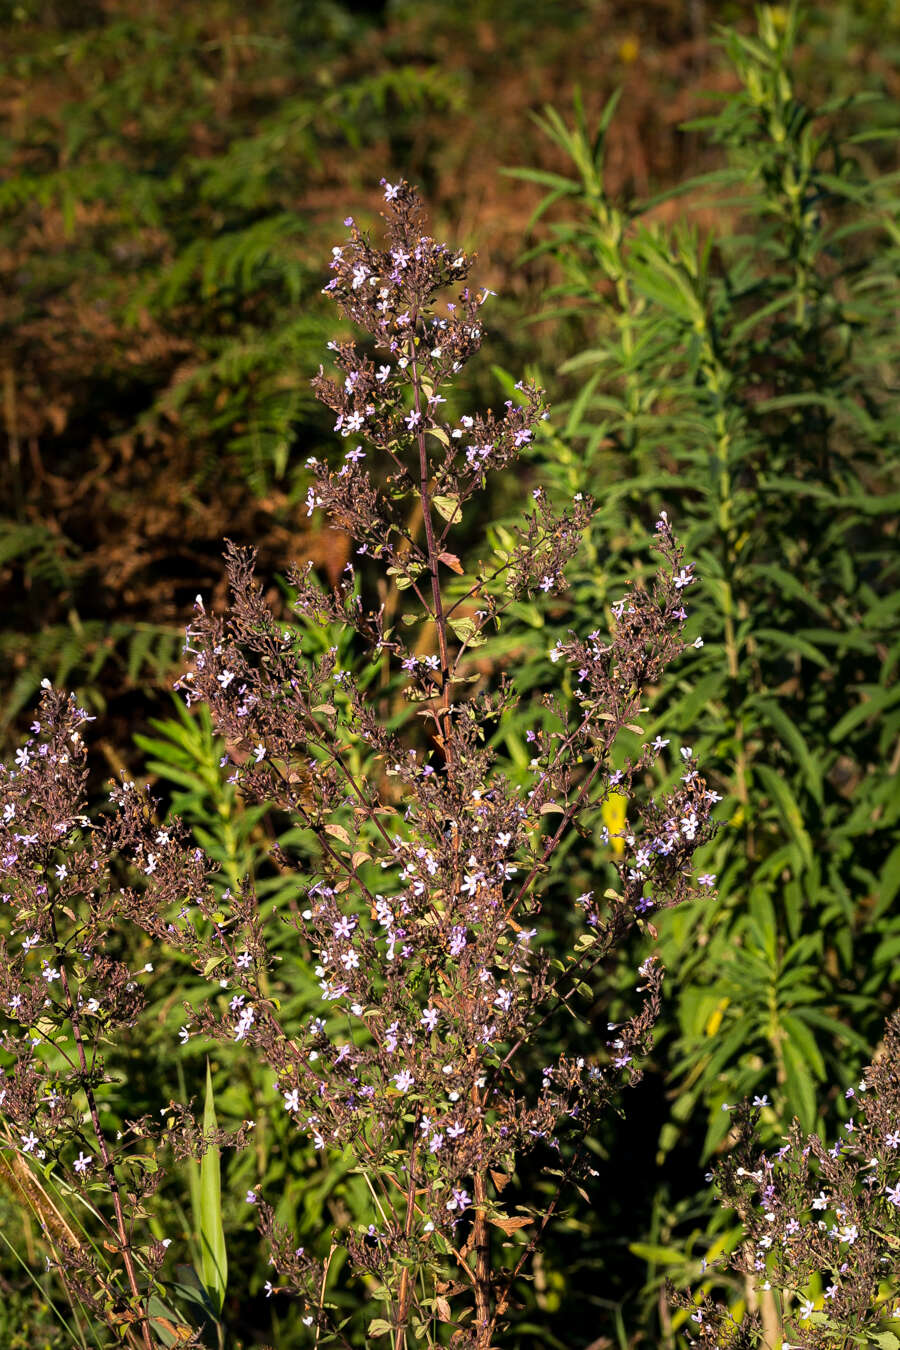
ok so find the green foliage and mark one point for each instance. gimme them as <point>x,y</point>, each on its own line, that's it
<point>79,652</point>
<point>743,380</point>
<point>184,756</point>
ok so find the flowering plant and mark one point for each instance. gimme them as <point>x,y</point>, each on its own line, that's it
<point>421,868</point>
<point>820,1227</point>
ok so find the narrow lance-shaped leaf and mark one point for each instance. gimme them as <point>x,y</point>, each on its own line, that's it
<point>212,1232</point>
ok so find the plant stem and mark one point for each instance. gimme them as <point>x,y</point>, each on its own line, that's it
<point>481,1241</point>
<point>482,1267</point>
<point>405,1291</point>
<point>440,619</point>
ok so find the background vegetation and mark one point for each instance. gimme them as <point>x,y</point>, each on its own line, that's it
<point>713,310</point>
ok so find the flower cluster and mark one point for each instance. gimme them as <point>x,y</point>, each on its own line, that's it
<point>422,911</point>
<point>821,1223</point>
<point>420,863</point>
<point>63,996</point>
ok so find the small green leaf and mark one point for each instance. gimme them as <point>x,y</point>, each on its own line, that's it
<point>801,1091</point>
<point>792,739</point>
<point>657,1255</point>
<point>783,797</point>
<point>448,507</point>
<point>465,629</point>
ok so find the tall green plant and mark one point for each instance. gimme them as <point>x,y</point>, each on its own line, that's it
<point>742,378</point>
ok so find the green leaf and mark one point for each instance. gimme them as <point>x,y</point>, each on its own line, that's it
<point>211,1228</point>
<point>378,1327</point>
<point>786,728</point>
<point>448,507</point>
<point>783,797</point>
<point>790,642</point>
<point>801,1090</point>
<point>404,577</point>
<point>762,913</point>
<point>875,702</point>
<point>888,882</point>
<point>656,1255</point>
<point>467,631</point>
